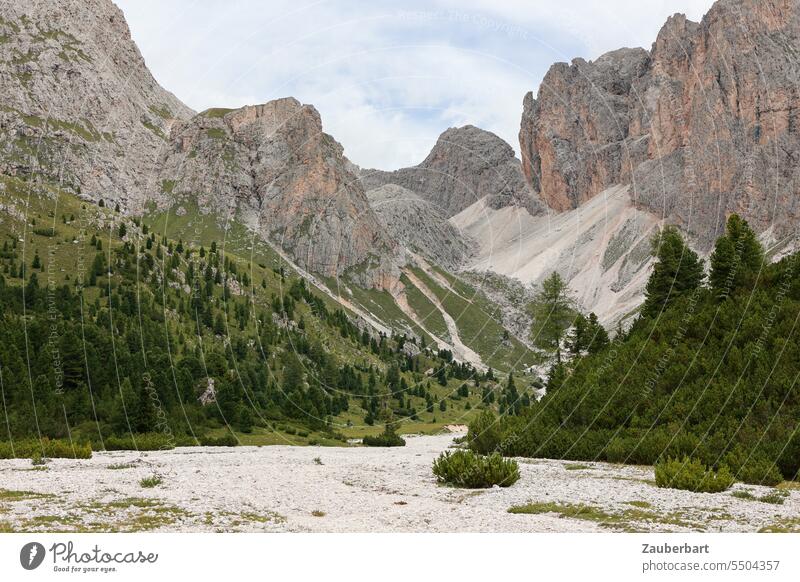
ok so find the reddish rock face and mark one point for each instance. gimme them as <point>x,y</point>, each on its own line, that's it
<point>704,124</point>
<point>272,167</point>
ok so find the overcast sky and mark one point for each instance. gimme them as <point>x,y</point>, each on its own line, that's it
<point>387,77</point>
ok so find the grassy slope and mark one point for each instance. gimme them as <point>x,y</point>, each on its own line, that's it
<point>478,323</point>
<point>430,316</point>
<point>69,251</point>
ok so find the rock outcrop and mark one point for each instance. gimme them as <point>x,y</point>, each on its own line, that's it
<point>420,226</point>
<point>272,168</point>
<point>80,110</point>
<point>466,165</point>
<point>704,124</point>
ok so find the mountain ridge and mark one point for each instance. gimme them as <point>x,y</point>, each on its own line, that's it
<point>702,125</point>
<point>465,165</point>
<point>272,167</point>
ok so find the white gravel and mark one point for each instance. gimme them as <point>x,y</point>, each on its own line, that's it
<point>277,488</point>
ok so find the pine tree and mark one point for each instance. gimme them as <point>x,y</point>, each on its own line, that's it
<point>677,272</point>
<point>552,309</point>
<point>737,258</point>
<point>556,377</point>
<point>32,291</point>
<point>123,409</point>
<point>598,338</point>
<point>580,335</point>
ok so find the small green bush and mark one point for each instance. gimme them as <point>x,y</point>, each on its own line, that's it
<point>692,475</point>
<point>388,438</point>
<point>51,449</point>
<point>473,471</point>
<point>227,440</point>
<point>384,440</point>
<point>150,482</point>
<point>759,472</point>
<point>776,497</point>
<point>150,441</point>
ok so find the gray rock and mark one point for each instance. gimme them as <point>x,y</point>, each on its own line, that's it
<point>465,165</point>
<point>420,226</point>
<point>80,109</point>
<point>272,167</point>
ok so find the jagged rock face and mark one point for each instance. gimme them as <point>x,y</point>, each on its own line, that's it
<point>704,124</point>
<point>574,136</point>
<point>420,226</point>
<point>272,167</point>
<point>465,165</point>
<point>79,108</point>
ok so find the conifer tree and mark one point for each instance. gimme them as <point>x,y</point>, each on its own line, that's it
<point>677,272</point>
<point>598,338</point>
<point>553,309</point>
<point>737,258</point>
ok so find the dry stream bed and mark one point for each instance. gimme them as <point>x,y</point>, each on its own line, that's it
<point>324,489</point>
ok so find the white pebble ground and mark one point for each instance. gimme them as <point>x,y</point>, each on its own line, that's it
<point>358,489</point>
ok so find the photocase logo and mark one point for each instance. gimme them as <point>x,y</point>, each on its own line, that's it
<point>31,555</point>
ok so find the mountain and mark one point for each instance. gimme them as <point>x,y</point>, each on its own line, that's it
<point>82,114</point>
<point>703,124</point>
<point>272,168</point>
<point>84,117</point>
<point>419,226</point>
<point>80,109</point>
<point>467,164</point>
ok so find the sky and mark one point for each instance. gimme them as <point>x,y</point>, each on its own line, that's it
<point>386,77</point>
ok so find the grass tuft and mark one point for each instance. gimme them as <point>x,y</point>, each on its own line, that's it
<point>152,481</point>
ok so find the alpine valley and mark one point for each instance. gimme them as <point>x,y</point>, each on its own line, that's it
<point>179,278</point>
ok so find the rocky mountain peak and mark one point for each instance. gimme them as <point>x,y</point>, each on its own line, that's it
<point>465,165</point>
<point>704,124</point>
<point>80,108</point>
<point>272,167</point>
<point>420,226</point>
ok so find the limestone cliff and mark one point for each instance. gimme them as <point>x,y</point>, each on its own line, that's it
<point>466,165</point>
<point>79,109</point>
<point>705,123</point>
<point>272,167</point>
<point>420,226</point>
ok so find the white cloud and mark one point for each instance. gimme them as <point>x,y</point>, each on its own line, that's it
<point>387,77</point>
